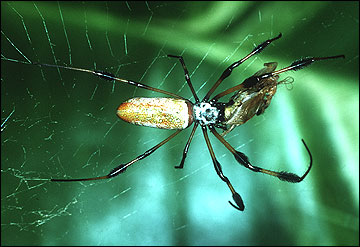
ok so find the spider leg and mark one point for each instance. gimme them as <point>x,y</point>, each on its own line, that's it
<point>109,77</point>
<point>297,65</point>
<point>244,160</point>
<point>227,91</point>
<point>187,146</point>
<point>121,168</point>
<point>228,71</point>
<point>187,76</point>
<point>237,198</point>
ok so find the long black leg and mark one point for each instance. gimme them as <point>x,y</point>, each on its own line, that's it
<point>227,91</point>
<point>187,146</point>
<point>244,160</point>
<point>109,77</point>
<point>297,65</point>
<point>187,76</point>
<point>237,198</point>
<point>121,168</point>
<point>228,71</point>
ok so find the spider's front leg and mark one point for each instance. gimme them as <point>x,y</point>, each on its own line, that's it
<point>229,69</point>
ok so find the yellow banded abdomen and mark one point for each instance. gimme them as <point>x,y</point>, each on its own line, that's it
<point>164,113</point>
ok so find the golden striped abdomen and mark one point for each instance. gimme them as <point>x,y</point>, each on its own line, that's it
<point>164,113</point>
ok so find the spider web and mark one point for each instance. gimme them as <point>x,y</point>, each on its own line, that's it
<point>62,124</point>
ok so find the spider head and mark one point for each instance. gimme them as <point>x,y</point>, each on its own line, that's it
<point>208,113</point>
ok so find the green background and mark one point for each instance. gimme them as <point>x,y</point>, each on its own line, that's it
<point>64,124</point>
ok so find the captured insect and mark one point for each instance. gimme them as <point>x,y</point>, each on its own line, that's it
<point>250,98</point>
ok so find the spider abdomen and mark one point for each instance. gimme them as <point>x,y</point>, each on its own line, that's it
<point>163,113</point>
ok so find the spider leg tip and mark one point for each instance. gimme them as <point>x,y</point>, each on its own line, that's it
<point>239,202</point>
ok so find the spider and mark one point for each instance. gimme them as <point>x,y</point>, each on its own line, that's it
<point>251,98</point>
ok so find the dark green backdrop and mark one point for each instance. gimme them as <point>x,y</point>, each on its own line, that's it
<point>63,123</point>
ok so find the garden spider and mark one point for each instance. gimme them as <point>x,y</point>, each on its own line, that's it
<point>251,98</point>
